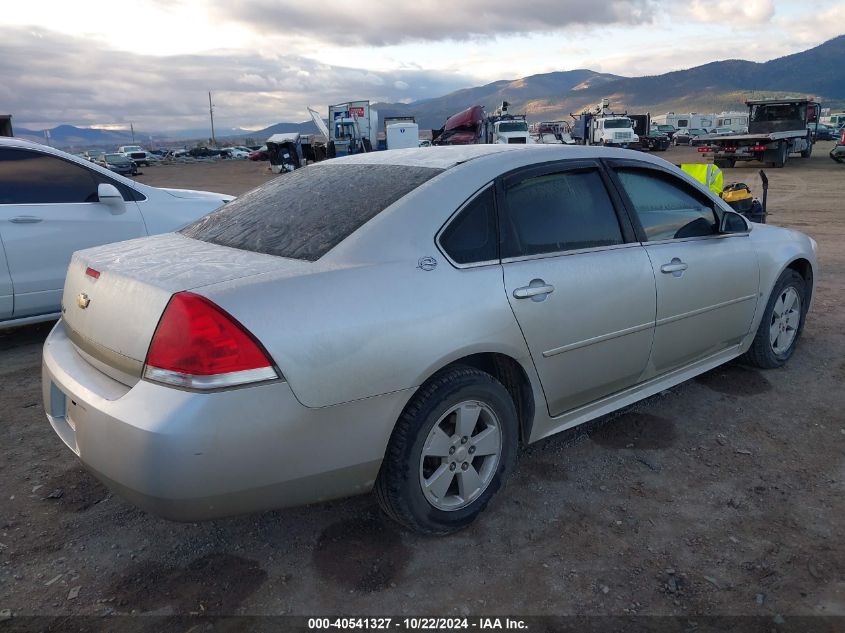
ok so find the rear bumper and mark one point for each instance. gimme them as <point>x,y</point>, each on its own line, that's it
<point>189,456</point>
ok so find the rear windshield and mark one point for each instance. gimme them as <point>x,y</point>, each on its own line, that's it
<point>306,213</point>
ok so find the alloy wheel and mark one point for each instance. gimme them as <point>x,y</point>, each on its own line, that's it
<point>460,455</point>
<point>786,317</point>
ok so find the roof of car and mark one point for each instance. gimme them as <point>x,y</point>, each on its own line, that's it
<point>445,157</point>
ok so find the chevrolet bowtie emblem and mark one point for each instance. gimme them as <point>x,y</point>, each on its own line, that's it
<point>82,300</point>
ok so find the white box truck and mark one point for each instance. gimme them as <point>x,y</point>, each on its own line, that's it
<point>402,135</point>
<point>352,128</point>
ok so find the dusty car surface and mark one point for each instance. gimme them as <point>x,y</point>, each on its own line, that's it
<point>53,203</point>
<point>404,321</point>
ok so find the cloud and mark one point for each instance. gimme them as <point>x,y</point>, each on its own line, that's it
<point>747,11</point>
<point>386,22</point>
<point>47,78</point>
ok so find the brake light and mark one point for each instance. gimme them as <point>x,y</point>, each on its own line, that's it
<point>703,149</point>
<point>198,345</point>
<point>94,274</point>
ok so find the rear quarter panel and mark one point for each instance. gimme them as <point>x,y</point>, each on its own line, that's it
<point>350,333</point>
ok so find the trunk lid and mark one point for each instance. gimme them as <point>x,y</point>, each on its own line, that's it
<point>115,294</point>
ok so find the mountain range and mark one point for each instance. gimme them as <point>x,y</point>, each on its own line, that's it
<point>711,87</point>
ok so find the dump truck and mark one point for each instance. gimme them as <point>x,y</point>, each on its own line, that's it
<point>648,140</point>
<point>777,128</point>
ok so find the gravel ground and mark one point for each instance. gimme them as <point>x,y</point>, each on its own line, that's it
<point>722,496</point>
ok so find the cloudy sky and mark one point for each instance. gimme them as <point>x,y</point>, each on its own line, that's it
<point>152,62</point>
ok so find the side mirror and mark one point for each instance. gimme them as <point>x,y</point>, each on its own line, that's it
<point>732,222</point>
<point>109,195</point>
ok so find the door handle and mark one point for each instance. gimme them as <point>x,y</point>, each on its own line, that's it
<point>676,267</point>
<point>536,290</point>
<point>26,219</point>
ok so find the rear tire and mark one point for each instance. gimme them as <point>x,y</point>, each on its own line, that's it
<point>444,462</point>
<point>782,323</point>
<point>782,155</point>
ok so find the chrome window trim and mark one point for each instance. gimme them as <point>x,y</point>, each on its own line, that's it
<point>577,251</point>
<point>698,238</point>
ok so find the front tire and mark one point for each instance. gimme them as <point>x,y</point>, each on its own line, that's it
<point>451,450</point>
<point>806,153</point>
<point>782,323</point>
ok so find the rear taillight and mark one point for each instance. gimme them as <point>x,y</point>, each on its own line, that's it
<point>198,345</point>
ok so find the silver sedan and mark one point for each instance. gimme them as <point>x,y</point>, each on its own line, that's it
<point>405,321</point>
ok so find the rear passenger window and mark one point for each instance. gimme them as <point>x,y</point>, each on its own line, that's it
<point>559,212</point>
<point>472,236</point>
<point>667,207</point>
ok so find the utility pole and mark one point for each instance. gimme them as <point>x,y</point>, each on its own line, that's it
<point>211,114</point>
<point>132,127</point>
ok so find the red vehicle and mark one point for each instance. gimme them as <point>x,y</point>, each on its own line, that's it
<point>462,128</point>
<point>260,154</point>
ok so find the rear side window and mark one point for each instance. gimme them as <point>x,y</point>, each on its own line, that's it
<point>559,212</point>
<point>306,213</point>
<point>667,207</point>
<point>472,236</point>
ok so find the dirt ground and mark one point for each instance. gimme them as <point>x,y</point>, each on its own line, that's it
<point>722,496</point>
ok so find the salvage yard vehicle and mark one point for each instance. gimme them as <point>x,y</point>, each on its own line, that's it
<point>668,130</point>
<point>119,164</point>
<point>822,132</point>
<point>475,126</point>
<point>776,129</point>
<point>689,136</point>
<point>600,126</point>
<point>284,152</point>
<point>303,343</point>
<point>838,151</point>
<point>136,153</point>
<point>53,203</point>
<point>650,136</point>
<point>259,154</point>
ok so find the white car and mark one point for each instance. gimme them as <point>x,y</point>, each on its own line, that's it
<point>53,203</point>
<point>236,153</point>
